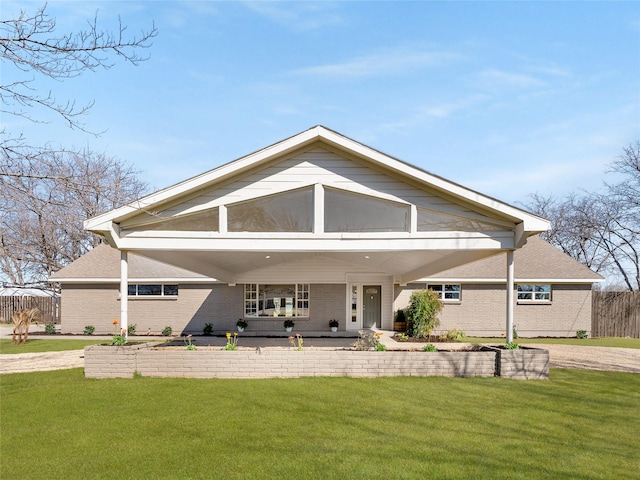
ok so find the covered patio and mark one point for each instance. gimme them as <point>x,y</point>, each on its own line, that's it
<point>313,227</point>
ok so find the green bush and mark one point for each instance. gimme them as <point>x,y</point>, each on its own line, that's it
<point>429,347</point>
<point>511,346</point>
<point>89,329</point>
<point>582,334</point>
<point>208,329</point>
<point>49,328</point>
<point>119,340</point>
<point>167,331</point>
<point>132,329</point>
<point>453,335</point>
<point>424,306</point>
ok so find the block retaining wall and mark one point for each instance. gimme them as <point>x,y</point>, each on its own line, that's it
<point>109,362</point>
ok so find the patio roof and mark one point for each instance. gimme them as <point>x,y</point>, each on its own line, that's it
<point>232,256</point>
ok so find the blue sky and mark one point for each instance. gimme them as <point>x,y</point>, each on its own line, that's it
<point>507,98</point>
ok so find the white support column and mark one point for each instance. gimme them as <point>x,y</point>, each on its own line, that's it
<point>124,291</point>
<point>510,289</point>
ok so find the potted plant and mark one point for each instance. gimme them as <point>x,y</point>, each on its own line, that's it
<point>241,325</point>
<point>400,323</point>
<point>333,323</point>
<point>289,324</point>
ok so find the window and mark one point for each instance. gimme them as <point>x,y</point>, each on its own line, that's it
<point>206,221</point>
<point>432,221</point>
<point>268,300</point>
<point>352,212</point>
<point>446,292</point>
<point>534,292</point>
<point>152,290</point>
<point>283,212</point>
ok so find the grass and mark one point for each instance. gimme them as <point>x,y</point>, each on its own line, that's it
<point>587,342</point>
<point>38,345</point>
<point>580,425</point>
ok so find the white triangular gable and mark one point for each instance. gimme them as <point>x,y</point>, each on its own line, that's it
<point>457,224</point>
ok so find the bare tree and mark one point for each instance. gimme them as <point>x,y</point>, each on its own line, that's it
<point>31,44</point>
<point>47,192</point>
<point>600,230</point>
<point>44,206</point>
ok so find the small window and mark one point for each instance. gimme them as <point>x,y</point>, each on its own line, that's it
<point>534,292</point>
<point>448,292</point>
<point>352,212</point>
<point>290,211</point>
<point>152,290</point>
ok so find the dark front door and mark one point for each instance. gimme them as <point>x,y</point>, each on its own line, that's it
<point>371,306</point>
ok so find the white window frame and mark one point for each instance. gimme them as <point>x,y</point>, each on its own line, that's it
<point>301,301</point>
<point>443,291</point>
<point>162,290</point>
<point>536,295</point>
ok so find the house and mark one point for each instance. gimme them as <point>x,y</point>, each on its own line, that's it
<point>315,227</point>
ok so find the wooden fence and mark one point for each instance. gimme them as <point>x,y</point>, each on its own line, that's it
<point>49,307</point>
<point>615,314</point>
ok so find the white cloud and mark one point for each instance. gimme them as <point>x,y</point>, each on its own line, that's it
<point>388,62</point>
<point>298,15</point>
<point>499,79</point>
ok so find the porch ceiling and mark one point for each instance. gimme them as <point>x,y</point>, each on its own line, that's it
<point>404,266</point>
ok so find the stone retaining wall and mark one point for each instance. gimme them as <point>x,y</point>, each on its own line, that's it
<point>109,361</point>
<point>524,363</point>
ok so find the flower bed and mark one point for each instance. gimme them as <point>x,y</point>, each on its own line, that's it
<point>103,361</point>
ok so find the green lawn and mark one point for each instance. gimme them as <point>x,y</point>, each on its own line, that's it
<point>38,345</point>
<point>580,424</point>
<point>587,342</point>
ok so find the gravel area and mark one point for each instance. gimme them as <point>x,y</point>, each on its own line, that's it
<point>593,358</point>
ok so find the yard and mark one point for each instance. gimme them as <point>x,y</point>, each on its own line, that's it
<point>580,424</point>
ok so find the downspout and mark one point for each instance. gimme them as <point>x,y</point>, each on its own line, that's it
<point>510,289</point>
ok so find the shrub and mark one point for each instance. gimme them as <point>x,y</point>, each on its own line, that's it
<point>119,340</point>
<point>581,334</point>
<point>368,340</point>
<point>232,341</point>
<point>511,346</point>
<point>132,329</point>
<point>208,329</point>
<point>429,347</point>
<point>167,331</point>
<point>422,312</point>
<point>89,329</point>
<point>49,328</point>
<point>453,335</point>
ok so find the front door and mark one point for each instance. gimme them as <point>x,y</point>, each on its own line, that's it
<point>371,306</point>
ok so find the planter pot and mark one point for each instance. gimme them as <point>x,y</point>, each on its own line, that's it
<point>334,329</point>
<point>240,329</point>
<point>288,329</point>
<point>400,326</point>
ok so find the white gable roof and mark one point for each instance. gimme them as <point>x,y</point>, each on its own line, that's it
<point>531,223</point>
<point>230,256</point>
